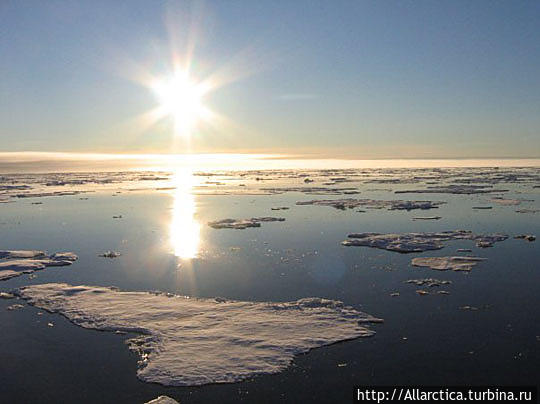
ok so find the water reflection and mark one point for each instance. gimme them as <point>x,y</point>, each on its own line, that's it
<point>184,228</point>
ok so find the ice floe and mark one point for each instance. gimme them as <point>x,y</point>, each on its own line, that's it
<point>241,224</point>
<point>15,263</point>
<point>446,263</point>
<point>110,254</point>
<point>528,237</point>
<point>430,282</point>
<point>453,189</point>
<point>350,203</point>
<point>190,341</point>
<point>418,242</point>
<point>162,400</point>
<point>527,210</point>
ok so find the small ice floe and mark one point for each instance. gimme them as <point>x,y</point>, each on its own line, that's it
<point>453,189</point>
<point>528,237</point>
<point>508,201</point>
<point>162,400</point>
<point>241,224</point>
<point>110,254</point>
<point>350,203</point>
<point>527,210</point>
<point>430,282</point>
<point>310,190</point>
<point>194,341</point>
<point>15,263</point>
<point>418,242</point>
<point>464,250</point>
<point>6,295</point>
<point>11,254</point>
<point>427,218</point>
<point>14,307</point>
<point>280,208</point>
<point>446,263</point>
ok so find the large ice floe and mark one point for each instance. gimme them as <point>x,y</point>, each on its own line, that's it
<point>15,263</point>
<point>445,263</point>
<point>350,203</point>
<point>190,341</point>
<point>418,242</point>
<point>241,224</point>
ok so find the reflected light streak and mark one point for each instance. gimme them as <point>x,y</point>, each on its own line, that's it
<point>184,232</point>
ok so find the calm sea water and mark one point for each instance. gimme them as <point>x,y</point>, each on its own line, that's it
<point>166,245</point>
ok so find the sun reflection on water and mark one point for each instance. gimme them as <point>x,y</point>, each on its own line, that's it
<point>184,233</point>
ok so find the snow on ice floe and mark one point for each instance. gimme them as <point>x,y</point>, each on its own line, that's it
<point>446,263</point>
<point>241,224</point>
<point>162,400</point>
<point>190,341</point>
<point>418,242</point>
<point>429,282</point>
<point>15,263</point>
<point>350,203</point>
<point>453,189</point>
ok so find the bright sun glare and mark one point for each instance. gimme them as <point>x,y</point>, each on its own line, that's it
<point>181,98</point>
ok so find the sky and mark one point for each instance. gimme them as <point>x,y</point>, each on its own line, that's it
<point>340,79</point>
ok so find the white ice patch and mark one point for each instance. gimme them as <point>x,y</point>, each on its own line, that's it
<point>162,400</point>
<point>418,242</point>
<point>14,263</point>
<point>350,203</point>
<point>446,263</point>
<point>23,254</point>
<point>241,224</point>
<point>188,341</point>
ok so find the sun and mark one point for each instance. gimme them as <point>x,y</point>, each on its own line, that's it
<point>181,98</point>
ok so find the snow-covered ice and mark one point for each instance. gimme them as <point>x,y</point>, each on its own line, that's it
<point>189,341</point>
<point>446,263</point>
<point>418,242</point>
<point>14,263</point>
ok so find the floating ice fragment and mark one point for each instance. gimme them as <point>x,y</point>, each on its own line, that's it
<point>453,189</point>
<point>528,237</point>
<point>18,262</point>
<point>446,263</point>
<point>241,224</point>
<point>349,203</point>
<point>418,242</point>
<point>10,254</point>
<point>162,400</point>
<point>527,210</point>
<point>508,201</point>
<point>191,341</point>
<point>430,282</point>
<point>110,254</point>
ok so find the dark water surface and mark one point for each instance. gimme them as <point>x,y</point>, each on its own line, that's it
<point>424,339</point>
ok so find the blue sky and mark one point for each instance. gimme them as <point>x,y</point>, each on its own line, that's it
<point>362,79</point>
